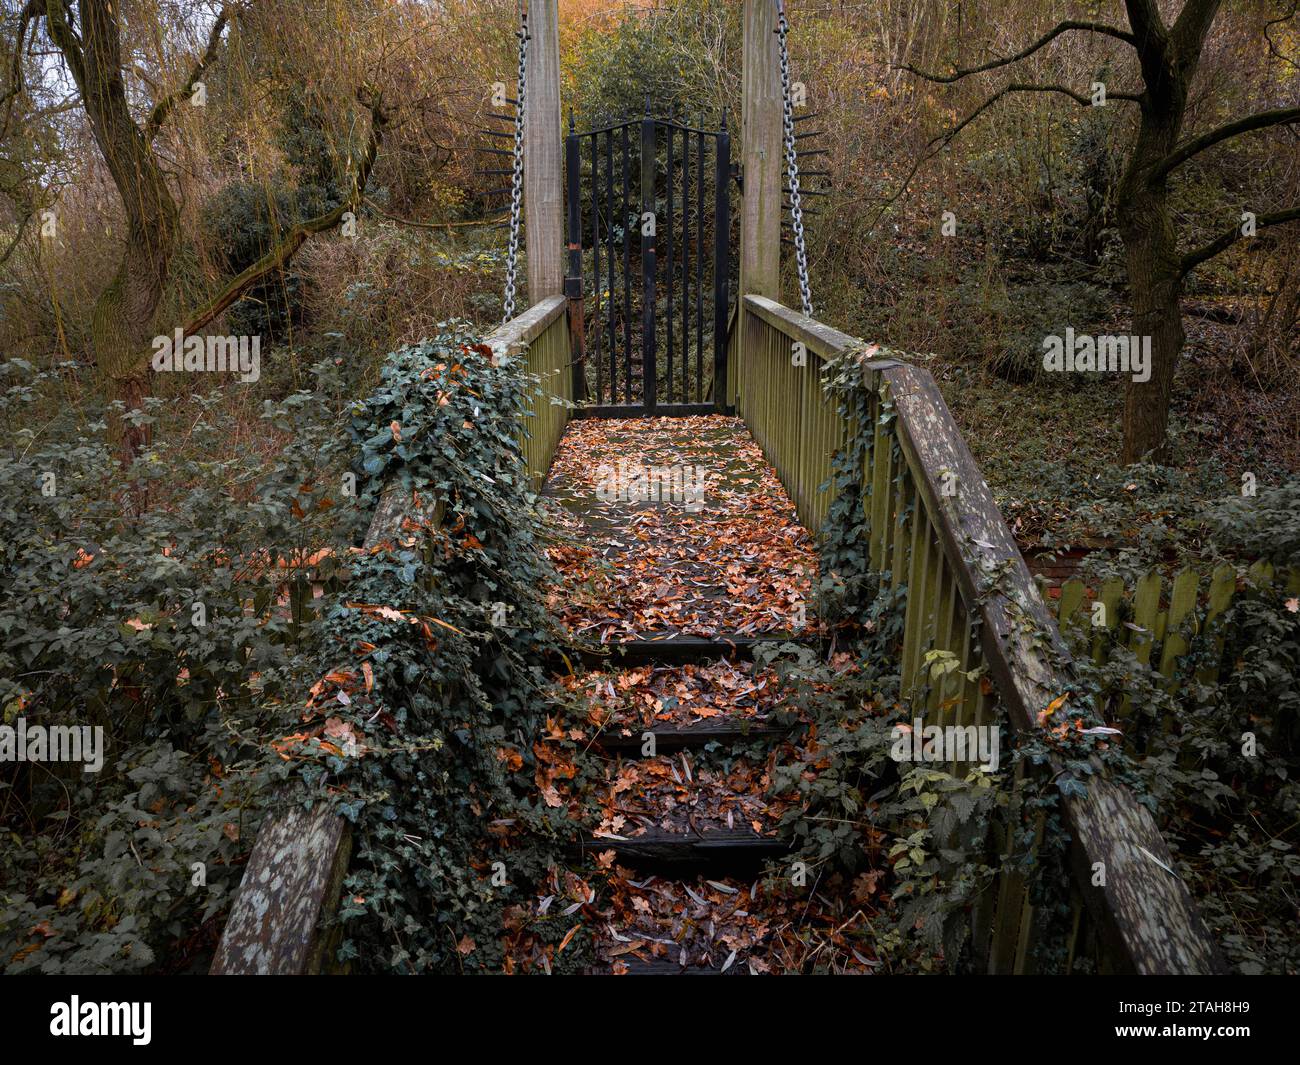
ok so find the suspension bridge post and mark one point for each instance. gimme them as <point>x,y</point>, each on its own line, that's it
<point>761,150</point>
<point>760,133</point>
<point>543,175</point>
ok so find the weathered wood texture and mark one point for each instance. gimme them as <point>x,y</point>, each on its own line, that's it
<point>761,150</point>
<point>295,872</point>
<point>725,730</point>
<point>543,145</point>
<point>540,339</point>
<point>936,531</point>
<point>710,846</point>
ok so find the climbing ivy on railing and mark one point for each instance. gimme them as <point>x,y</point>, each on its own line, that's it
<point>429,730</point>
<point>912,839</point>
<point>939,841</point>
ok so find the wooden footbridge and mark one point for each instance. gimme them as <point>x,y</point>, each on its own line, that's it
<point>732,388</point>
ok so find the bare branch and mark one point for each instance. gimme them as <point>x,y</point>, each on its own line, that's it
<point>13,244</point>
<point>1272,44</point>
<point>433,225</point>
<point>1225,240</point>
<point>1042,42</point>
<point>167,104</point>
<point>1262,120</point>
<point>29,12</point>
<point>278,257</point>
<point>66,40</point>
<point>942,140</point>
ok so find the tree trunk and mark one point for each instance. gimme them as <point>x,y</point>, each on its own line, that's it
<point>122,321</point>
<point>1154,266</point>
<point>1154,289</point>
<point>120,340</point>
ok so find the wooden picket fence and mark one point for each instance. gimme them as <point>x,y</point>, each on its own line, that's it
<point>1156,620</point>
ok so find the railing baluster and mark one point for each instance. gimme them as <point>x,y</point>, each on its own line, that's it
<point>609,199</point>
<point>627,266</point>
<point>917,602</point>
<point>649,339</point>
<point>699,269</point>
<point>904,513</point>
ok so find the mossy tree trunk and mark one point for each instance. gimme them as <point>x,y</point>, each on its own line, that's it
<point>122,322</point>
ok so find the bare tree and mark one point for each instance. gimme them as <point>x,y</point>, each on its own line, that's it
<point>1167,56</point>
<point>87,35</point>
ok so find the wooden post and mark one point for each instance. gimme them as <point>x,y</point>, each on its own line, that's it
<point>760,160</point>
<point>543,133</point>
<point>760,133</point>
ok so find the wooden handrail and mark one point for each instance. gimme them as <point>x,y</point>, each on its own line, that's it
<point>295,872</point>
<point>959,540</point>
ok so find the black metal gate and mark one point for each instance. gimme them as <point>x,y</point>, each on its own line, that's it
<point>649,220</point>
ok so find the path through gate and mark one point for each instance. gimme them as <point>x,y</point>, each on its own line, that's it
<point>649,228</point>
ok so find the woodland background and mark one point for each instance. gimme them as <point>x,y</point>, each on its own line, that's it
<point>295,92</point>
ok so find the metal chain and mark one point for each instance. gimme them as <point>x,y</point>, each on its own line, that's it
<point>517,181</point>
<point>792,163</point>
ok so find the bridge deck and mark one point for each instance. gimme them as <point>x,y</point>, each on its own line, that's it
<point>669,529</point>
<point>674,527</point>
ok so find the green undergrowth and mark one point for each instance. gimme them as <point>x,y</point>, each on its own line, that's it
<point>163,604</point>
<point>213,612</point>
<point>1060,487</point>
<point>1213,752</point>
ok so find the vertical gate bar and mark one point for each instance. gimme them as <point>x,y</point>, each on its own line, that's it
<point>687,395</point>
<point>699,266</point>
<point>573,282</point>
<point>598,326</point>
<point>721,262</point>
<point>668,261</point>
<point>610,230</point>
<point>627,276</point>
<point>648,142</point>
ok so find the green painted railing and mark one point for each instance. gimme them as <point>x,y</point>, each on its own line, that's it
<point>540,337</point>
<point>937,535</point>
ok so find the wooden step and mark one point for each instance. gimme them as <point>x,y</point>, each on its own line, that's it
<point>710,846</point>
<point>726,730</point>
<point>671,967</point>
<point>672,649</point>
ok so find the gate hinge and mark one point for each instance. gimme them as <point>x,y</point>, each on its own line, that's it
<point>573,288</point>
<point>738,175</point>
